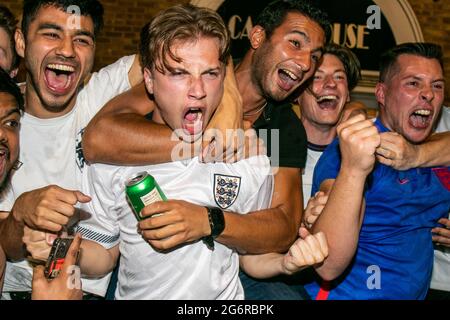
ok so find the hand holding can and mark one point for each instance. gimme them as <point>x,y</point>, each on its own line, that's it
<point>143,190</point>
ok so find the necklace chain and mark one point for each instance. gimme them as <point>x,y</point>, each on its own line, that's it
<point>257,111</point>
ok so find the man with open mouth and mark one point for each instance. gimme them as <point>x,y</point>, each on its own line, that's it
<point>58,47</point>
<point>184,73</point>
<point>322,104</point>
<point>11,107</point>
<point>285,47</point>
<point>379,220</point>
<point>192,70</point>
<point>58,57</point>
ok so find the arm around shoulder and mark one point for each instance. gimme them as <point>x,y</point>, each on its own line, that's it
<point>120,133</point>
<point>436,151</point>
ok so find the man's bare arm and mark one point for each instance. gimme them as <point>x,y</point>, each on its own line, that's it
<point>308,251</point>
<point>398,153</point>
<point>341,222</point>
<point>119,133</point>
<point>97,261</point>
<point>342,216</point>
<point>270,230</point>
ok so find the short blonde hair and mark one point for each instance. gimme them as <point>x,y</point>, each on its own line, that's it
<point>182,22</point>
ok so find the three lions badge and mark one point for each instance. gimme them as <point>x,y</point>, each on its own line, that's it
<point>226,190</point>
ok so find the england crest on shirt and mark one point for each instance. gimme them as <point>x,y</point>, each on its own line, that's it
<point>226,190</point>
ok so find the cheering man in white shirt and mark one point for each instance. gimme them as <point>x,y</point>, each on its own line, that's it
<point>184,54</point>
<point>186,49</point>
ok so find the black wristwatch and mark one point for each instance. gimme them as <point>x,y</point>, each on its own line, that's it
<point>217,224</point>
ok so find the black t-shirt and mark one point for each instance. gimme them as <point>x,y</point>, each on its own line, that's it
<point>292,145</point>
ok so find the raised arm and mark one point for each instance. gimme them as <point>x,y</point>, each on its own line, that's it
<point>342,216</point>
<point>119,133</point>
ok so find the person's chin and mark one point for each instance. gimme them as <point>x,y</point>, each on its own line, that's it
<point>57,104</point>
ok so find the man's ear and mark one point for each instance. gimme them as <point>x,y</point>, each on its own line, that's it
<point>20,43</point>
<point>380,93</point>
<point>148,80</point>
<point>257,36</point>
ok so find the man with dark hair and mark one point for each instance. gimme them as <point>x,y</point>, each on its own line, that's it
<point>322,104</point>
<point>11,107</point>
<point>58,44</point>
<point>278,62</point>
<point>398,152</point>
<point>185,49</point>
<point>378,220</point>
<point>9,60</point>
<point>273,15</point>
<point>86,8</point>
<point>273,68</point>
<point>58,47</point>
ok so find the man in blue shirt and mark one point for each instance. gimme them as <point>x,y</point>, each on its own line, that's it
<point>378,220</point>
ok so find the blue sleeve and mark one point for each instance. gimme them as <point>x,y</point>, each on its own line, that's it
<point>328,166</point>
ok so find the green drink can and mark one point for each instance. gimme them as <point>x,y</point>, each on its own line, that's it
<point>143,190</point>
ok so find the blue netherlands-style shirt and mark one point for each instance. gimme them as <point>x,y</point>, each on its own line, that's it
<point>394,257</point>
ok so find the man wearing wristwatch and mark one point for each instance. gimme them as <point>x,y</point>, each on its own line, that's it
<point>185,76</point>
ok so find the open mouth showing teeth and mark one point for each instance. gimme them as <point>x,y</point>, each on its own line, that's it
<point>289,74</point>
<point>288,79</point>
<point>193,120</point>
<point>421,118</point>
<point>59,77</point>
<point>326,98</point>
<point>327,101</point>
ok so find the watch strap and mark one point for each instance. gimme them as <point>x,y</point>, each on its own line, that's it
<point>217,224</point>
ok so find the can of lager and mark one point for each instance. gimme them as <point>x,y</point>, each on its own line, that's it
<point>143,190</point>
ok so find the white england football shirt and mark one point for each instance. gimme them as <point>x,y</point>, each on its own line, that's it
<point>50,152</point>
<point>192,271</point>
